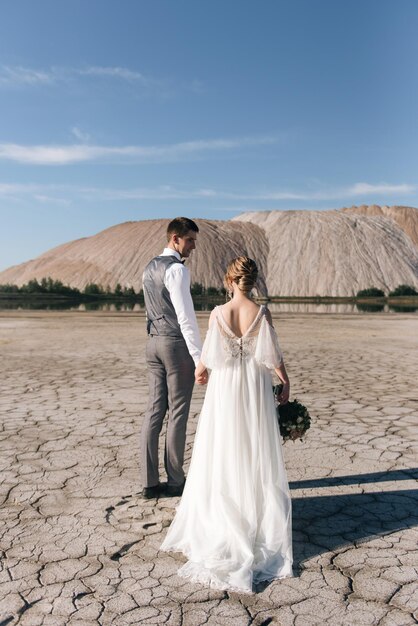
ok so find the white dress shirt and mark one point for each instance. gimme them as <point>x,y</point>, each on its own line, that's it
<point>177,281</point>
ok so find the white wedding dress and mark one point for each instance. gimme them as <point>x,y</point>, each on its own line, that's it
<point>234,519</point>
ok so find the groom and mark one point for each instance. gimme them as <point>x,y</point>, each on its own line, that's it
<point>173,350</point>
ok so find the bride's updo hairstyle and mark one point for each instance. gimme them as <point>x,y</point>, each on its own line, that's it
<point>243,271</point>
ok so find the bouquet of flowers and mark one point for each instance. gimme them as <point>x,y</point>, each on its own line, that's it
<point>294,419</point>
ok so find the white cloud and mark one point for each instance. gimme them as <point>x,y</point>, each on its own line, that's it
<point>7,189</point>
<point>341,193</point>
<point>47,192</point>
<point>19,75</point>
<point>45,154</point>
<point>66,154</point>
<point>112,72</point>
<point>214,198</point>
<point>51,199</point>
<point>271,195</point>
<point>360,189</point>
<point>24,76</point>
<point>163,192</point>
<point>80,135</point>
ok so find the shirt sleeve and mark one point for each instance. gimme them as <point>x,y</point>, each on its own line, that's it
<point>177,281</point>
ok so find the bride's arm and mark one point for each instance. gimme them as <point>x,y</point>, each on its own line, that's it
<point>283,397</point>
<point>201,373</point>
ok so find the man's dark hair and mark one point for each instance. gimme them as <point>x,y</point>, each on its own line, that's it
<point>181,226</point>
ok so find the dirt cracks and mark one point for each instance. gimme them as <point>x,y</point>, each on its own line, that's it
<point>80,546</point>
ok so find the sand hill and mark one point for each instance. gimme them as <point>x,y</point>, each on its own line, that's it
<point>120,253</point>
<point>336,252</point>
<point>300,253</point>
<point>404,216</point>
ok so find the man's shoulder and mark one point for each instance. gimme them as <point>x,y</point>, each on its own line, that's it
<point>164,259</point>
<point>177,268</point>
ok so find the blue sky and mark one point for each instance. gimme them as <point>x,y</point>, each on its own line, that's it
<point>116,111</point>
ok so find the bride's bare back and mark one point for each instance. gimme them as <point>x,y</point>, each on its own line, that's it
<point>239,314</point>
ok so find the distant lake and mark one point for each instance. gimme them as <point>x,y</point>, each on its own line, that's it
<point>275,307</point>
<point>312,307</point>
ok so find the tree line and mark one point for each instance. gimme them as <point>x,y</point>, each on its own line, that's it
<point>374,292</point>
<point>197,289</point>
<point>56,287</point>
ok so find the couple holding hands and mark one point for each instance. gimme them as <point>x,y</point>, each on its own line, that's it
<point>234,519</point>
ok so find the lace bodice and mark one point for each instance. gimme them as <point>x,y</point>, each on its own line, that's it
<point>222,347</point>
<point>239,348</point>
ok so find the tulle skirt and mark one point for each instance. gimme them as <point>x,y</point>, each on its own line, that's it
<point>234,519</point>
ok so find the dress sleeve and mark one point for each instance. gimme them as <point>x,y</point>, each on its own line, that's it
<point>213,351</point>
<point>267,351</point>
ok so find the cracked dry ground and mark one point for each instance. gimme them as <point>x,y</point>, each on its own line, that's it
<point>79,545</point>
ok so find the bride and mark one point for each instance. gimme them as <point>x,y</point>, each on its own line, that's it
<point>234,519</point>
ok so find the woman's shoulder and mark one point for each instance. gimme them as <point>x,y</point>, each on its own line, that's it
<point>213,315</point>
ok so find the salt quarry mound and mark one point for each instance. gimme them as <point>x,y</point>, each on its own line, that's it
<point>299,253</point>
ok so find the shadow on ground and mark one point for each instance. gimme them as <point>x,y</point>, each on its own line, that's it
<point>326,523</point>
<point>356,479</point>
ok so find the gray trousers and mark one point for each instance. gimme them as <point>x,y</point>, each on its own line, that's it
<point>171,380</point>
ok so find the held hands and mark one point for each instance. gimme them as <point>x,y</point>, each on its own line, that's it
<point>201,374</point>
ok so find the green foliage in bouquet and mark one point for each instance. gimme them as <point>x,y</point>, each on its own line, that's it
<point>293,417</point>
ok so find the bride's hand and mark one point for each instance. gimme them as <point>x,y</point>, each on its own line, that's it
<point>283,397</point>
<point>201,374</point>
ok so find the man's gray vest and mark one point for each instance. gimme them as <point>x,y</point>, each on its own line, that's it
<point>161,316</point>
